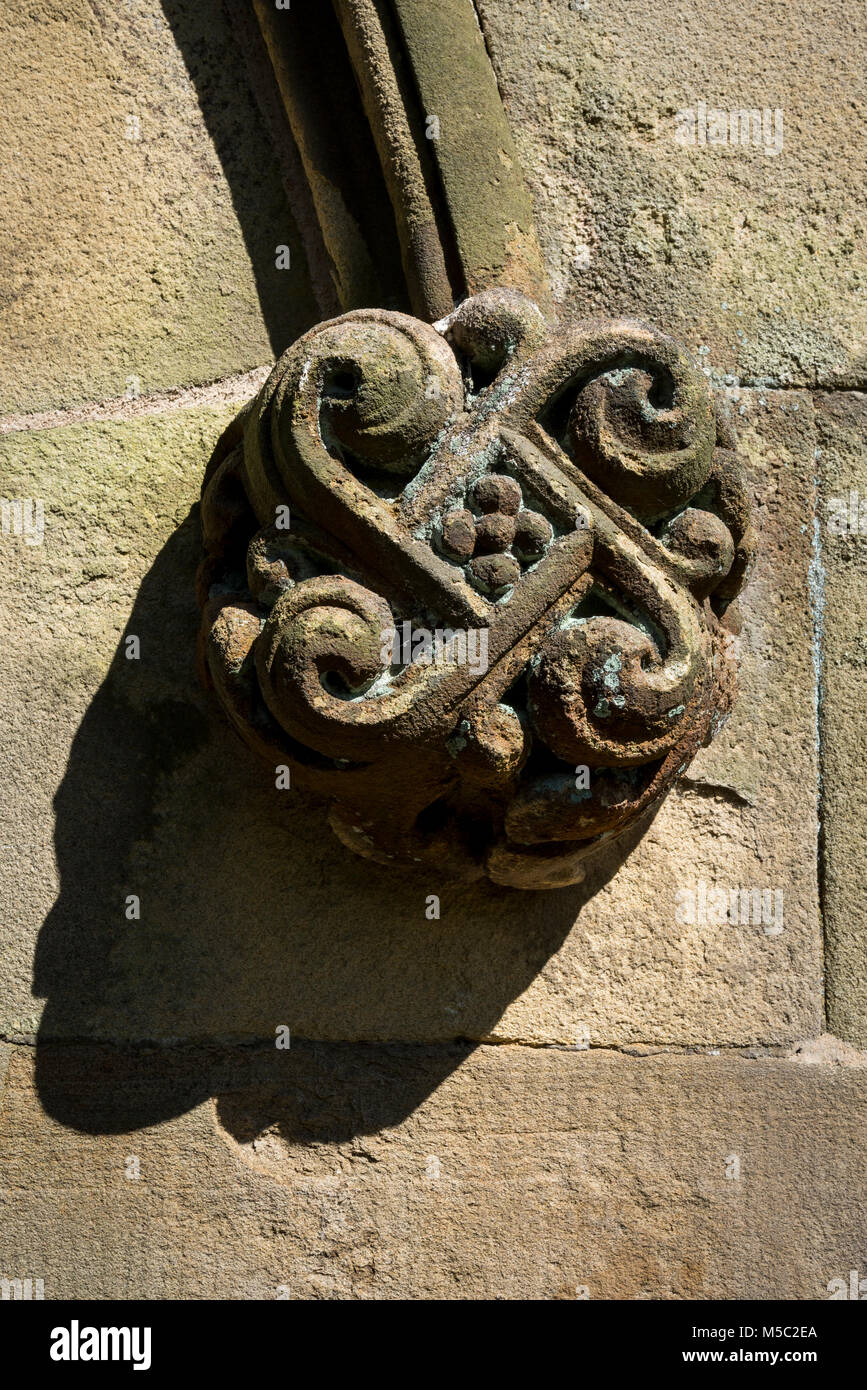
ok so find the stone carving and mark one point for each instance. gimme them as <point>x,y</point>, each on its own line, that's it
<point>466,580</point>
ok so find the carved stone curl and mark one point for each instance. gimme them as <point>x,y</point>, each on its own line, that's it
<point>467,581</point>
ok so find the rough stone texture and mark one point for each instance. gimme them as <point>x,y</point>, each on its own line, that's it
<point>491,795</point>
<point>150,258</point>
<point>340,1172</point>
<point>757,258</point>
<point>841,421</point>
<point>112,492</point>
<point>311,1169</point>
<point>252,916</point>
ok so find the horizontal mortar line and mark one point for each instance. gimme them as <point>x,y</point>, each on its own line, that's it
<point>229,390</point>
<point>239,389</point>
<point>769,1051</point>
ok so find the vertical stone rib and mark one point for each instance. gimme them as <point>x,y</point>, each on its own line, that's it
<point>488,203</point>
<point>330,132</point>
<point>364,24</point>
<point>407,151</point>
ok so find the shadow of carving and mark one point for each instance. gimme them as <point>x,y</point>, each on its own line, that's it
<point>252,917</point>
<point>216,67</point>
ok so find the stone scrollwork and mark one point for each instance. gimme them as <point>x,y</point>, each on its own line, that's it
<point>467,581</point>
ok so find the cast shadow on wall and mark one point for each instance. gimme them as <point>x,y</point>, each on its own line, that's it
<point>252,916</point>
<point>251,170</point>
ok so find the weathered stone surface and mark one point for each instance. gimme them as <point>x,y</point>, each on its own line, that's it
<point>141,213</point>
<point>422,1168</point>
<point>841,421</point>
<point>112,493</point>
<point>757,259</point>
<point>335,1172</point>
<point>252,916</point>
<point>369,632</point>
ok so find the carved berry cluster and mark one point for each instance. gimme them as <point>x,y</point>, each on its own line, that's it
<point>502,541</point>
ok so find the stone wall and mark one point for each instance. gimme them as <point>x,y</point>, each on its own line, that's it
<point>571,1094</point>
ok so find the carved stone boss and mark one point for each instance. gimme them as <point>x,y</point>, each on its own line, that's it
<point>467,579</point>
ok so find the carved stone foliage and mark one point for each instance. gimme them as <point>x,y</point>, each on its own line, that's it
<point>467,581</point>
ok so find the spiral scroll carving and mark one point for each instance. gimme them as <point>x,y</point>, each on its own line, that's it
<point>469,581</point>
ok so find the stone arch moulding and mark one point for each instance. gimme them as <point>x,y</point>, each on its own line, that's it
<point>467,562</point>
